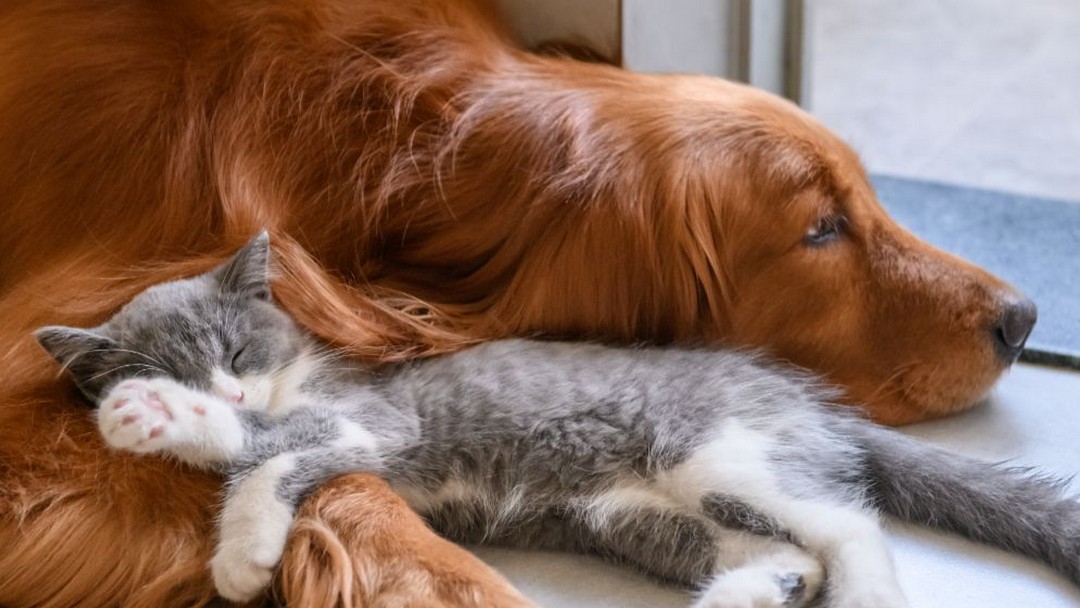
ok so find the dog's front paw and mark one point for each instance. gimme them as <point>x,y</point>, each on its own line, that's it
<point>382,548</point>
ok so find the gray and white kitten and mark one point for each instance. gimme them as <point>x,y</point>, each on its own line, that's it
<point>707,468</point>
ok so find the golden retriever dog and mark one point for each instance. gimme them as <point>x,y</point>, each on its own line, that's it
<point>428,184</point>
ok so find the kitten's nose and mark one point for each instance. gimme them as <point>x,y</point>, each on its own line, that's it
<point>227,388</point>
<point>230,394</point>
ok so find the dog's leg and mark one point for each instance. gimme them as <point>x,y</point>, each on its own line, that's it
<point>355,542</point>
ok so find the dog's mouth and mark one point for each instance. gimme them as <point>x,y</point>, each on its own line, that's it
<point>958,376</point>
<point>930,391</point>
<point>905,375</point>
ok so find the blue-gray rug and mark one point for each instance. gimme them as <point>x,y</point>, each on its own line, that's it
<point>1033,243</point>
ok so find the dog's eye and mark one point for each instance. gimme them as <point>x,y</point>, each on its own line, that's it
<point>827,230</point>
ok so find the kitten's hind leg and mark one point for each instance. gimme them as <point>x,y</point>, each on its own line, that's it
<point>760,572</point>
<point>848,539</point>
<point>730,568</point>
<point>854,548</point>
<point>737,468</point>
<point>159,415</point>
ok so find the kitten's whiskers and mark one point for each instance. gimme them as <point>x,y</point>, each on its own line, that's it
<point>143,366</point>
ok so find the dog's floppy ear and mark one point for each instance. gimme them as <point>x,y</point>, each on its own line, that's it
<point>248,272</point>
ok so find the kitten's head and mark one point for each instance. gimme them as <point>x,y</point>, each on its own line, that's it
<point>218,332</point>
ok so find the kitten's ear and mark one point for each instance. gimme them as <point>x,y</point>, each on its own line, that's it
<point>68,344</point>
<point>248,272</point>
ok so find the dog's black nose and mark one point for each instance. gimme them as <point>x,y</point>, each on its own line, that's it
<point>1014,327</point>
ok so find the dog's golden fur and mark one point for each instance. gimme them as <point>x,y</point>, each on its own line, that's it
<point>428,184</point>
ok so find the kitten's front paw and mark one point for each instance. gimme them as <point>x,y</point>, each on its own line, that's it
<point>253,529</point>
<point>239,579</point>
<point>134,416</point>
<point>159,414</point>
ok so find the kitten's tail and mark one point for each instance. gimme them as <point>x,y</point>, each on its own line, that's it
<point>1014,509</point>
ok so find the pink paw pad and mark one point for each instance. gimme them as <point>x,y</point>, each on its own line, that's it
<point>199,409</point>
<point>154,401</point>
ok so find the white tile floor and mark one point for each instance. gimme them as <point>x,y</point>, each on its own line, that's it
<point>982,93</point>
<point>1033,418</point>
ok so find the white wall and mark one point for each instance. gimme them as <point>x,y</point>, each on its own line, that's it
<point>594,22</point>
<point>680,36</point>
<point>756,41</point>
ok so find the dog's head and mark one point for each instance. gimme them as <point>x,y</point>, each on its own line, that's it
<point>818,273</point>
<point>579,200</point>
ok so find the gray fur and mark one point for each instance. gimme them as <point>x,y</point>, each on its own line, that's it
<point>731,512</point>
<point>793,587</point>
<point>1015,509</point>
<point>182,329</point>
<point>536,430</point>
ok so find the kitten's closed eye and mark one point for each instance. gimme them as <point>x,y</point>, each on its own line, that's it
<point>239,360</point>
